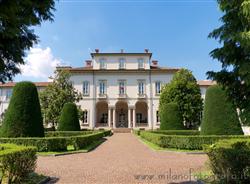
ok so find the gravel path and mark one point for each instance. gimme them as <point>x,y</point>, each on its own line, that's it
<point>122,159</point>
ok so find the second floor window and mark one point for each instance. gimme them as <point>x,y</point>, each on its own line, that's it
<point>102,87</point>
<point>8,94</point>
<point>102,64</point>
<point>122,63</point>
<point>140,63</point>
<point>121,87</point>
<point>157,88</point>
<point>141,87</point>
<point>85,89</point>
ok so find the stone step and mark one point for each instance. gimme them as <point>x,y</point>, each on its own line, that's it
<point>122,130</point>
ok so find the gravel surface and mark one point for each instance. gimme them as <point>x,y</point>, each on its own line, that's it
<point>121,159</point>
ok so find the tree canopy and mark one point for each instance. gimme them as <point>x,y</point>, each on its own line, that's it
<point>184,90</point>
<point>234,53</point>
<point>16,33</point>
<point>23,117</point>
<point>58,93</point>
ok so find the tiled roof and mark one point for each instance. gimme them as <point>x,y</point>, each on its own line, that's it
<point>206,83</point>
<point>38,84</point>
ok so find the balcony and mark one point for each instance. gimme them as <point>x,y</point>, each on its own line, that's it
<point>102,96</point>
<point>122,96</point>
<point>142,95</point>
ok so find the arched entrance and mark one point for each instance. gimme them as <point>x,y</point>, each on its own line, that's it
<point>121,114</point>
<point>102,114</point>
<point>141,113</point>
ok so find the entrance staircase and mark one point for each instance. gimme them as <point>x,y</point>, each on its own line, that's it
<point>122,130</point>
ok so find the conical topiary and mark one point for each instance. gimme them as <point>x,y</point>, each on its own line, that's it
<point>171,118</point>
<point>23,117</point>
<point>68,120</point>
<point>220,116</point>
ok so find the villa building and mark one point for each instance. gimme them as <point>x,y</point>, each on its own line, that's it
<point>120,90</point>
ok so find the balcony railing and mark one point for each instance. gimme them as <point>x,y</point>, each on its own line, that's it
<point>103,96</point>
<point>142,95</point>
<point>122,95</point>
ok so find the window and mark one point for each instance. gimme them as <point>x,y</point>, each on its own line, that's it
<point>104,118</point>
<point>139,118</point>
<point>85,116</point>
<point>141,86</point>
<point>140,63</point>
<point>102,64</point>
<point>122,63</point>
<point>8,94</point>
<point>157,116</point>
<point>85,88</point>
<point>122,87</point>
<point>157,88</point>
<point>102,87</point>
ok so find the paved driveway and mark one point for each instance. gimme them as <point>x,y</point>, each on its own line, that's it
<point>121,159</point>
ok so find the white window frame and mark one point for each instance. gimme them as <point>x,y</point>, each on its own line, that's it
<point>85,117</point>
<point>158,120</point>
<point>9,92</point>
<point>141,63</point>
<point>103,64</point>
<point>102,87</point>
<point>122,64</point>
<point>124,86</point>
<point>158,84</point>
<point>141,87</point>
<point>85,89</point>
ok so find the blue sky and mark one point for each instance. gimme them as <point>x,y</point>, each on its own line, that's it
<point>174,31</point>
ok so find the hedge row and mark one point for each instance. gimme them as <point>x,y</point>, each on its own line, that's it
<point>230,161</point>
<point>57,143</point>
<point>177,132</point>
<point>16,162</point>
<point>190,142</point>
<point>67,133</point>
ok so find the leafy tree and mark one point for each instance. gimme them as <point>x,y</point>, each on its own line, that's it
<point>234,54</point>
<point>171,118</point>
<point>58,93</point>
<point>69,118</point>
<point>220,116</point>
<point>16,36</point>
<point>184,90</point>
<point>23,117</point>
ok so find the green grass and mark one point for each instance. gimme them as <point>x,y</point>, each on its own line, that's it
<point>70,149</point>
<point>158,148</point>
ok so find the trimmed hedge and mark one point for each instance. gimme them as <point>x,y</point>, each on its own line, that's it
<point>230,160</point>
<point>69,118</point>
<point>66,133</point>
<point>220,116</point>
<point>57,143</point>
<point>177,132</point>
<point>171,118</point>
<point>23,117</point>
<point>189,142</point>
<point>16,162</point>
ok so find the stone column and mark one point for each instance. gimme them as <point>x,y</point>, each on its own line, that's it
<point>134,118</point>
<point>114,118</point>
<point>109,118</point>
<point>129,118</point>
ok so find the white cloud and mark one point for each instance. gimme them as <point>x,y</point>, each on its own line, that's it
<point>40,63</point>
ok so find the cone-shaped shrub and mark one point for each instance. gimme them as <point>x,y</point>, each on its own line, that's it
<point>69,118</point>
<point>220,116</point>
<point>171,118</point>
<point>23,117</point>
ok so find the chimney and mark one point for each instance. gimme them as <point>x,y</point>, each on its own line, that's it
<point>97,50</point>
<point>88,63</point>
<point>122,50</point>
<point>155,63</point>
<point>146,50</point>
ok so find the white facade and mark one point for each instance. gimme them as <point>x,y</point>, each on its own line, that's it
<point>120,90</point>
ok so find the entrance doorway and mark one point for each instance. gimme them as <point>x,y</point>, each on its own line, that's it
<point>121,114</point>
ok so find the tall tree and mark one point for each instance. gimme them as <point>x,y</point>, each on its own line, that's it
<point>184,90</point>
<point>16,36</point>
<point>234,54</point>
<point>53,98</point>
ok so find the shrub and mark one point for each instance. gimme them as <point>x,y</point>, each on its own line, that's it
<point>23,117</point>
<point>66,133</point>
<point>220,116</point>
<point>171,118</point>
<point>69,118</point>
<point>189,142</point>
<point>177,132</point>
<point>230,161</point>
<point>16,162</point>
